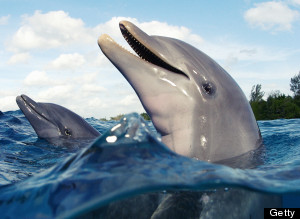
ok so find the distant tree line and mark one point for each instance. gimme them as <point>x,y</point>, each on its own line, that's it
<point>277,105</point>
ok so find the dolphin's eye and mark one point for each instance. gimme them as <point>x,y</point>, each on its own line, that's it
<point>208,88</point>
<point>68,132</point>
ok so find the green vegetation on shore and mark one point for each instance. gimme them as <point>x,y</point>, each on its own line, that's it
<point>277,105</point>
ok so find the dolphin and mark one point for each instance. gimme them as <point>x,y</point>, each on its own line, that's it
<point>195,105</point>
<point>52,121</point>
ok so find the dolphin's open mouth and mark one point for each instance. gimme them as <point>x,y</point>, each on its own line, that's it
<point>145,53</point>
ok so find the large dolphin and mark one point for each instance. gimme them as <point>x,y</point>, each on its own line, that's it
<point>53,121</point>
<point>193,102</point>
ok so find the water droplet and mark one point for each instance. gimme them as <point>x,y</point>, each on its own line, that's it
<point>111,139</point>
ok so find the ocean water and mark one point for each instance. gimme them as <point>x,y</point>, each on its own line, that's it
<point>129,173</point>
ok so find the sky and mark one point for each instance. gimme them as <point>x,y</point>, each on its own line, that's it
<point>49,50</point>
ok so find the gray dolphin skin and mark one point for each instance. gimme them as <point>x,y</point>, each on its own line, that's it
<point>53,121</point>
<point>195,105</point>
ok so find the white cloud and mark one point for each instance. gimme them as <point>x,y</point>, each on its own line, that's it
<point>295,2</point>
<point>272,15</point>
<point>92,88</point>
<point>8,103</point>
<point>164,29</point>
<point>81,93</point>
<point>96,103</point>
<point>230,53</point>
<point>37,78</point>
<point>86,78</point>
<point>84,100</point>
<point>67,61</point>
<point>151,28</point>
<point>19,58</point>
<point>58,92</point>
<point>4,20</point>
<point>98,59</point>
<point>129,100</point>
<point>49,30</point>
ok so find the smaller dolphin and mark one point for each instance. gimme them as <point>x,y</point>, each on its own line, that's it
<point>53,121</point>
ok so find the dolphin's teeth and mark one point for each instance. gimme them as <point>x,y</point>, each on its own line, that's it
<point>144,53</point>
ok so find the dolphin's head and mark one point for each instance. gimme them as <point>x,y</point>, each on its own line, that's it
<point>193,102</point>
<point>51,120</point>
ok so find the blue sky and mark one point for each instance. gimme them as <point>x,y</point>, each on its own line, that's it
<point>49,51</point>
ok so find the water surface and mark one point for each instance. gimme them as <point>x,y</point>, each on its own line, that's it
<point>129,172</point>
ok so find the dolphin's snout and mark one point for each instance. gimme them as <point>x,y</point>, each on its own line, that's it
<point>28,100</point>
<point>104,38</point>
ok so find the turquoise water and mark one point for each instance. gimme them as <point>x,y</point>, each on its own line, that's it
<point>128,173</point>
